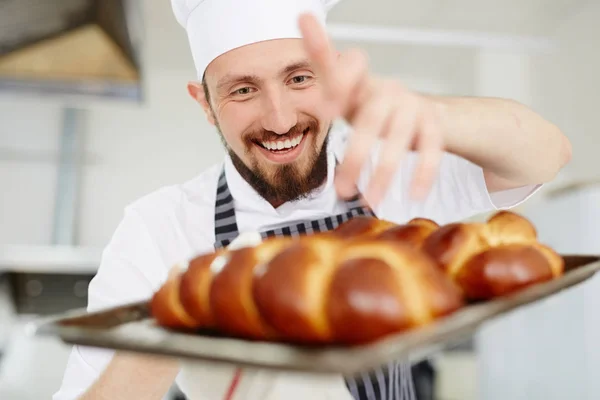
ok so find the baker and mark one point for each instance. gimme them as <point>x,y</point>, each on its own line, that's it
<point>273,86</point>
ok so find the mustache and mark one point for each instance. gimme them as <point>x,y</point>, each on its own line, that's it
<point>267,136</point>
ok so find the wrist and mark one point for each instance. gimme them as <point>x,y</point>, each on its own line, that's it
<point>444,118</point>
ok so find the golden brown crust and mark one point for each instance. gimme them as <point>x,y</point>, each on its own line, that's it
<point>441,295</point>
<point>425,222</point>
<point>231,297</point>
<point>359,283</point>
<point>365,301</point>
<point>556,262</point>
<point>291,290</point>
<point>401,281</point>
<point>413,232</point>
<point>506,227</point>
<point>166,307</point>
<point>195,288</point>
<point>502,270</point>
<point>453,244</point>
<point>493,258</point>
<point>361,227</point>
<point>410,234</point>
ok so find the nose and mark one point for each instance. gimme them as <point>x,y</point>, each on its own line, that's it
<point>279,114</point>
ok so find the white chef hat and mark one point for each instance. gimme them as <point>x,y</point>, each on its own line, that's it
<point>215,27</point>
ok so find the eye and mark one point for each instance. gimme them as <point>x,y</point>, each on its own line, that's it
<point>300,79</point>
<point>242,91</point>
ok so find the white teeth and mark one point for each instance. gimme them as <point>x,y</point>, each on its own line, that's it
<point>283,144</point>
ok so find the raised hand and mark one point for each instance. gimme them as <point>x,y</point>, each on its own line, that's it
<point>380,111</point>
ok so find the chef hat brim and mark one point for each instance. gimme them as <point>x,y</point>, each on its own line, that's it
<point>215,27</point>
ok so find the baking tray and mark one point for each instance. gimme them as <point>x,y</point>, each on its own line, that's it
<point>130,328</point>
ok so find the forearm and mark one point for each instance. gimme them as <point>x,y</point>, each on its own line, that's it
<point>130,376</point>
<point>505,138</point>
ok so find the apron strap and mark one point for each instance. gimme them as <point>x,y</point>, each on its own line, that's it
<point>389,382</point>
<point>226,228</point>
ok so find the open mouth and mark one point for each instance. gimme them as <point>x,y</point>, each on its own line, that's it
<point>285,150</point>
<point>282,146</point>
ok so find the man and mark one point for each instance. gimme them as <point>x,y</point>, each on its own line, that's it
<point>271,83</point>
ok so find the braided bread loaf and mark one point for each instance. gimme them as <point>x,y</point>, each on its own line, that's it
<point>495,258</point>
<point>356,284</point>
<point>318,289</point>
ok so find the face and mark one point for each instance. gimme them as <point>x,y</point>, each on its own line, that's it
<point>265,100</point>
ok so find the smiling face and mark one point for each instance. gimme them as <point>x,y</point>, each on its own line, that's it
<point>265,100</point>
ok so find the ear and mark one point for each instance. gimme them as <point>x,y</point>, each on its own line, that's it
<point>196,91</point>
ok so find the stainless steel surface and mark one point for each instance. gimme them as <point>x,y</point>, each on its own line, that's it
<point>133,11</point>
<point>74,92</point>
<point>25,23</point>
<point>129,328</point>
<point>48,294</point>
<point>52,259</point>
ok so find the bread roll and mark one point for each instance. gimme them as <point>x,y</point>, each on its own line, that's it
<point>495,258</point>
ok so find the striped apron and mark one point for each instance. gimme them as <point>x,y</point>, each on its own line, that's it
<point>390,382</point>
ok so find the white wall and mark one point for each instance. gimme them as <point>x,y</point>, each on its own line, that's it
<point>26,202</point>
<point>550,350</point>
<point>166,142</point>
<point>567,87</point>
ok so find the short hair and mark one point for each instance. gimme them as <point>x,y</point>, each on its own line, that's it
<point>205,87</point>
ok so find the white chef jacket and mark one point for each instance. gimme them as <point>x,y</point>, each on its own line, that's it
<point>176,223</point>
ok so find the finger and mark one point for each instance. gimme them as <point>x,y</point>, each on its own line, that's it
<point>353,78</point>
<point>430,149</point>
<point>368,125</point>
<point>320,51</point>
<point>399,135</point>
<point>358,150</point>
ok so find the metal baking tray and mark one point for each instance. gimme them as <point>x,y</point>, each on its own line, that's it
<point>130,328</point>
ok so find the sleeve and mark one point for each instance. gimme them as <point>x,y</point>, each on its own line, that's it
<point>131,270</point>
<point>459,192</point>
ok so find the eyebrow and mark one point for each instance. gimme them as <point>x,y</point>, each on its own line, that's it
<point>230,79</point>
<point>304,64</point>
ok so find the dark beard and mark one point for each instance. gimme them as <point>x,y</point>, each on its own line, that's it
<point>287,183</point>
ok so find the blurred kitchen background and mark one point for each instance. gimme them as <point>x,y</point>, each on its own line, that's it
<point>94,113</point>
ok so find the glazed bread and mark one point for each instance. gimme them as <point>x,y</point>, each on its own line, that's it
<point>319,289</point>
<point>367,279</point>
<point>495,258</point>
<point>412,233</point>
